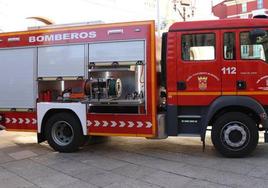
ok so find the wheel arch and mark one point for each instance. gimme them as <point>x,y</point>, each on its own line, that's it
<point>242,104</point>
<point>233,108</point>
<point>46,110</point>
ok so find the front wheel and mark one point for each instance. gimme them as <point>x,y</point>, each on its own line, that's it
<point>64,132</point>
<point>234,134</point>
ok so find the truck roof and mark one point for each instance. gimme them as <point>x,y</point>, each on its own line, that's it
<point>219,24</point>
<point>72,26</point>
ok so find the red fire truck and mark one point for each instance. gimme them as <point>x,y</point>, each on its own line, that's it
<point>72,82</point>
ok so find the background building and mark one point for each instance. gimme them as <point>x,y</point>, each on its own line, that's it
<point>164,12</point>
<point>240,8</point>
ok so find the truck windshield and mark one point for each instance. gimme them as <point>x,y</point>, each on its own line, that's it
<point>256,48</point>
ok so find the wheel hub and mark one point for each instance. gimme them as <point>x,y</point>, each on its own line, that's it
<point>67,131</point>
<point>235,134</point>
<point>62,133</point>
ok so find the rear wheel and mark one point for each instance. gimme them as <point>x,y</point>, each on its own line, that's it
<point>64,132</point>
<point>234,134</point>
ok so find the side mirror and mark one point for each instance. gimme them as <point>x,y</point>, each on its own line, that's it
<point>257,36</point>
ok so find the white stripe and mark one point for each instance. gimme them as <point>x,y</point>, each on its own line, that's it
<point>34,121</point>
<point>27,120</point>
<point>113,123</point>
<point>97,123</point>
<point>149,124</point>
<point>130,124</point>
<point>14,120</point>
<point>140,124</point>
<point>89,123</point>
<point>20,120</point>
<point>7,120</point>
<point>105,124</point>
<point>122,124</point>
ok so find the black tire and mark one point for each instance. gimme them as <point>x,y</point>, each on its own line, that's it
<point>64,132</point>
<point>234,134</point>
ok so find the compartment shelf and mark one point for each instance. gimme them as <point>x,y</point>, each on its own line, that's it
<point>113,102</point>
<point>110,70</point>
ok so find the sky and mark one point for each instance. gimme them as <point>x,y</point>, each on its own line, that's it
<point>14,12</point>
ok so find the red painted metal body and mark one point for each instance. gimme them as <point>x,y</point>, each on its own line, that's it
<point>254,72</point>
<point>20,121</point>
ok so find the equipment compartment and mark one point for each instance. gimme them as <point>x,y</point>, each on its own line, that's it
<point>61,61</point>
<point>117,51</point>
<point>61,91</point>
<point>18,78</point>
<point>114,88</point>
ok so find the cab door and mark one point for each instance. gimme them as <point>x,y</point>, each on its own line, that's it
<point>252,66</point>
<point>199,78</point>
<point>229,61</point>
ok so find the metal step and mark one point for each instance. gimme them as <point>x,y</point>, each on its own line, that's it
<point>189,116</point>
<point>189,124</point>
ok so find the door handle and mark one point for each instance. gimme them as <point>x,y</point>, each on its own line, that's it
<point>181,85</point>
<point>241,84</point>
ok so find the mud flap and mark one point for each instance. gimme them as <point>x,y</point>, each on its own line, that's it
<point>204,145</point>
<point>40,138</point>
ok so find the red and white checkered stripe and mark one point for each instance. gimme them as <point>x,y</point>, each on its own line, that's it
<point>121,124</point>
<point>21,121</point>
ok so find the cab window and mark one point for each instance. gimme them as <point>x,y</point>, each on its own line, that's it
<point>251,49</point>
<point>198,47</point>
<point>229,46</point>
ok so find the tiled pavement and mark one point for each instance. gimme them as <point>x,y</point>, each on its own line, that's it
<point>127,162</point>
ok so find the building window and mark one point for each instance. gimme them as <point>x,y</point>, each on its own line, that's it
<point>198,47</point>
<point>244,7</point>
<point>260,4</point>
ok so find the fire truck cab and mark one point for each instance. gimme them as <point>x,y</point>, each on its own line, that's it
<point>220,80</point>
<point>72,82</point>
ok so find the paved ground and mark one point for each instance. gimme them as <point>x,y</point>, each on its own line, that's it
<point>127,162</point>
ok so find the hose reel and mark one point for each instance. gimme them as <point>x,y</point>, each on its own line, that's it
<point>103,88</point>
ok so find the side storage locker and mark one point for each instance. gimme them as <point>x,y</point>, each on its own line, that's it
<point>18,78</point>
